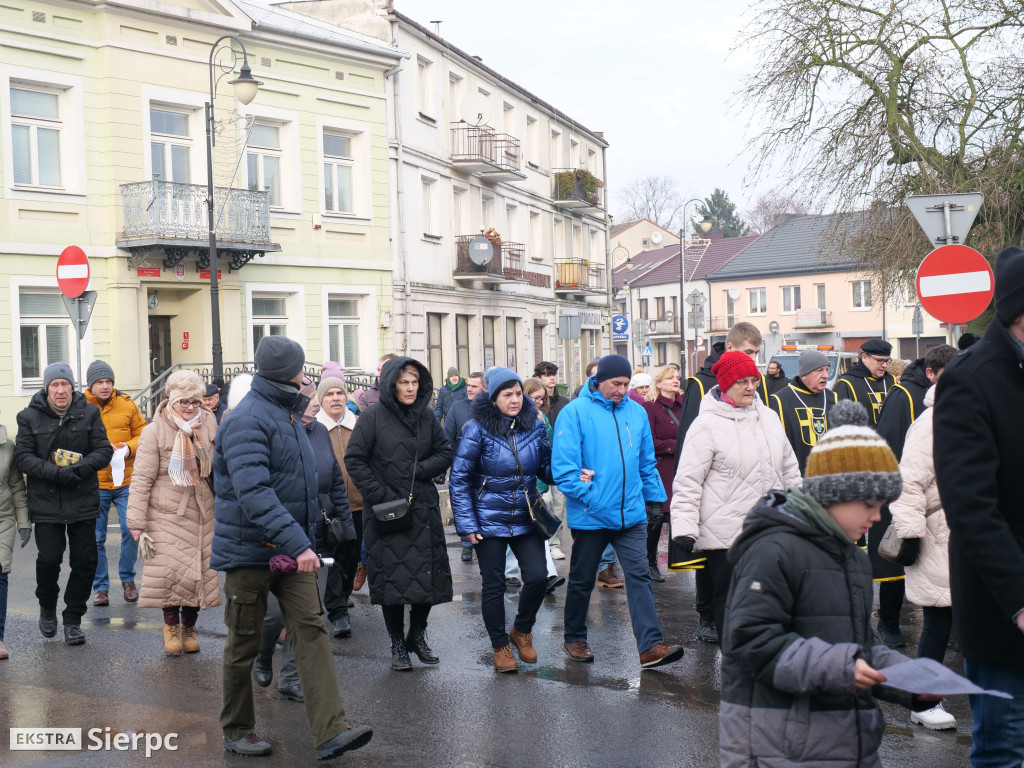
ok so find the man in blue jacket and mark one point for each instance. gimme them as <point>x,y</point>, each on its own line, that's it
<point>265,480</point>
<point>603,461</point>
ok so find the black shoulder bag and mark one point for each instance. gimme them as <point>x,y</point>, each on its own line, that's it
<point>393,516</point>
<point>544,520</point>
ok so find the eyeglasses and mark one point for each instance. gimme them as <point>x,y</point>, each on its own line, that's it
<point>190,403</point>
<point>881,360</point>
<point>749,382</point>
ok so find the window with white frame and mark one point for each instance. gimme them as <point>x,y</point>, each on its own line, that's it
<point>462,343</point>
<point>435,342</point>
<point>339,162</point>
<point>459,210</point>
<point>263,160</point>
<point>511,223</point>
<point>758,301</point>
<point>343,330</point>
<point>536,249</point>
<point>790,298</point>
<point>577,243</point>
<point>426,86</point>
<point>559,236</point>
<point>591,161</point>
<point>486,211</point>
<point>508,118</point>
<point>36,127</point>
<point>511,335</point>
<point>574,153</point>
<point>532,149</point>
<point>269,316</point>
<point>861,294</point>
<point>488,341</point>
<point>428,207</point>
<point>455,85</point>
<point>556,149</point>
<point>170,144</point>
<point>45,332</point>
<point>819,289</point>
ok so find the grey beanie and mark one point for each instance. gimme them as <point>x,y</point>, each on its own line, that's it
<point>97,370</point>
<point>56,371</point>
<point>810,360</point>
<point>278,358</point>
<point>326,383</point>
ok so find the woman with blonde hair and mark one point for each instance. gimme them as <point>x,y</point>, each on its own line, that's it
<point>171,500</point>
<point>664,405</point>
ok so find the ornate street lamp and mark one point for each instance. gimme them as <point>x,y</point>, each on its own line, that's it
<point>705,225</point>
<point>245,87</point>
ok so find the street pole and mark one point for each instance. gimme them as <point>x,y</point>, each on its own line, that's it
<point>78,338</point>
<point>682,301</point>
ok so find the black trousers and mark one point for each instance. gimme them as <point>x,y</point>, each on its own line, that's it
<point>719,571</point>
<point>394,617</point>
<point>705,595</point>
<point>339,578</point>
<point>653,537</point>
<point>490,555</point>
<point>80,540</point>
<point>890,601</point>
<point>938,623</point>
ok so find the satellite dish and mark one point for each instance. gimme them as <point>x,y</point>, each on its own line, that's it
<point>656,238</point>
<point>480,251</point>
<point>476,109</point>
<point>734,293</point>
<point>773,327</point>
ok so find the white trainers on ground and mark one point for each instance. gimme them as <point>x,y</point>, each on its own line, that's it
<point>557,554</point>
<point>935,718</point>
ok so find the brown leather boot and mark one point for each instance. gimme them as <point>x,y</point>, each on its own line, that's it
<point>524,644</point>
<point>360,578</point>
<point>504,660</point>
<point>172,639</point>
<point>189,641</point>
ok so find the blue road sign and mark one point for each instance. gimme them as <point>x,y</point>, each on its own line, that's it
<point>647,351</point>
<point>619,324</point>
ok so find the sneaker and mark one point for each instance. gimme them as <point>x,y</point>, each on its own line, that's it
<point>554,582</point>
<point>660,654</point>
<point>505,660</point>
<point>101,598</point>
<point>936,718</point>
<point>250,746</point>
<point>351,738</point>
<point>579,651</point>
<point>656,574</point>
<point>608,578</point>
<point>557,554</point>
<point>360,578</point>
<point>706,631</point>
<point>890,634</point>
<point>467,554</point>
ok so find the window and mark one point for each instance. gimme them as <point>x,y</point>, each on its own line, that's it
<point>645,242</point>
<point>429,208</point>
<point>591,161</point>
<point>45,331</point>
<point>511,223</point>
<point>455,83</point>
<point>343,330</point>
<point>574,153</point>
<point>758,301</point>
<point>459,210</point>
<point>269,317</point>
<point>659,309</point>
<point>661,353</point>
<point>263,161</point>
<point>486,211</point>
<point>170,145</point>
<point>462,343</point>
<point>35,135</point>
<point>643,308</point>
<point>488,338</point>
<point>559,237</point>
<point>730,310</point>
<point>426,87</point>
<point>556,149</point>
<point>338,164</point>
<point>535,249</point>
<point>577,243</point>
<point>861,294</point>
<point>538,342</point>
<point>508,119</point>
<point>532,150</point>
<point>790,298</point>
<point>434,356</point>
<point>819,289</point>
<point>510,343</point>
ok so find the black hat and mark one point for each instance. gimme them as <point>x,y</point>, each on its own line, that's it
<point>876,347</point>
<point>278,358</point>
<point>1010,284</point>
<point>613,367</point>
<point>212,389</point>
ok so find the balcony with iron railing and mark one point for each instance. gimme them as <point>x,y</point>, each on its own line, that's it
<point>576,188</point>
<point>578,277</point>
<point>506,264</point>
<point>720,324</point>
<point>479,150</point>
<point>665,327</point>
<point>169,220</point>
<point>813,318</point>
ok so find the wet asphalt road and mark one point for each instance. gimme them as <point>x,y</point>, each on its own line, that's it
<point>458,713</point>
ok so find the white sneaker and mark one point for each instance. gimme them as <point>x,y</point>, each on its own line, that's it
<point>936,718</point>
<point>557,554</point>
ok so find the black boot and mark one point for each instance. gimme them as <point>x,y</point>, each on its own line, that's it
<point>416,641</point>
<point>399,654</point>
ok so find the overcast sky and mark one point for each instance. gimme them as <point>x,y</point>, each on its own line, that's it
<point>657,76</point>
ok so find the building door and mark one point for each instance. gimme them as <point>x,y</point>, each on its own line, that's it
<point>159,344</point>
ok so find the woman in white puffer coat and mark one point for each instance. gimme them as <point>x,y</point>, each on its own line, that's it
<point>735,452</point>
<point>917,514</point>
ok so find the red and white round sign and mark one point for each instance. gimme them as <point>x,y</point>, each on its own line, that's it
<point>73,272</point>
<point>955,284</point>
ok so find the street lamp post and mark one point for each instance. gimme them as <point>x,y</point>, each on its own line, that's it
<point>245,87</point>
<point>704,225</point>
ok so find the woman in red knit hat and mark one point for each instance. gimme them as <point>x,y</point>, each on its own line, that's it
<point>736,451</point>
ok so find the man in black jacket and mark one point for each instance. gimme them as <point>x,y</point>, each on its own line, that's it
<point>803,405</point>
<point>775,379</point>
<point>868,381</point>
<point>979,439</point>
<point>61,445</point>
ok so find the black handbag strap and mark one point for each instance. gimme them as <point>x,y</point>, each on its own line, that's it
<point>520,474</point>
<point>415,461</point>
<point>671,414</point>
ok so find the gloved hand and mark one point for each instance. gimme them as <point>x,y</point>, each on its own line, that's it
<point>67,476</point>
<point>684,543</point>
<point>26,534</point>
<point>655,515</point>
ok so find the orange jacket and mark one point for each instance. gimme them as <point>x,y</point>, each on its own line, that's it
<point>124,424</point>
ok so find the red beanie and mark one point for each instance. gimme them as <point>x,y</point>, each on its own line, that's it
<point>733,366</point>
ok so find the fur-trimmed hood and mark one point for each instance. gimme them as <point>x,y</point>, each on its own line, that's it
<point>494,422</point>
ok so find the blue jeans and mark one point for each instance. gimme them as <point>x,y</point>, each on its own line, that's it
<point>3,604</point>
<point>998,735</point>
<point>607,558</point>
<point>630,545</point>
<point>129,549</point>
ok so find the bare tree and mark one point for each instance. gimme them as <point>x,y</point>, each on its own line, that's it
<point>770,207</point>
<point>652,197</point>
<point>866,102</point>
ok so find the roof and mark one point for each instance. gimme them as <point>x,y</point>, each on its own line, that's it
<point>719,253</point>
<point>630,224</point>
<point>642,263</point>
<point>797,246</point>
<point>266,15</point>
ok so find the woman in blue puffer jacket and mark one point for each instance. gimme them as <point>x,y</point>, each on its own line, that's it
<point>503,451</point>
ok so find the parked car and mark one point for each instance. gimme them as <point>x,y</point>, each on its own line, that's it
<point>838,362</point>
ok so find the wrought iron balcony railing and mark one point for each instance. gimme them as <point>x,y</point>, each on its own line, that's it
<point>576,188</point>
<point>478,149</point>
<point>506,264</point>
<point>813,318</point>
<point>579,276</point>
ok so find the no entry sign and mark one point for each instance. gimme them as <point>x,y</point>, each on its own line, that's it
<point>73,272</point>
<point>955,283</point>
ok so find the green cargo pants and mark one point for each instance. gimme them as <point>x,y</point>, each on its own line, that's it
<point>246,605</point>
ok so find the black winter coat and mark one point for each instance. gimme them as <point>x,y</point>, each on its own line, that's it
<point>978,443</point>
<point>330,490</point>
<point>264,475</point>
<point>774,383</point>
<point>410,566</point>
<point>62,494</point>
<point>858,384</point>
<point>804,416</point>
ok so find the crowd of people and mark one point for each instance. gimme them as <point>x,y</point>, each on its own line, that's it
<point>771,488</point>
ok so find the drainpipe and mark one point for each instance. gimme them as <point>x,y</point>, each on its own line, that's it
<point>608,255</point>
<point>396,138</point>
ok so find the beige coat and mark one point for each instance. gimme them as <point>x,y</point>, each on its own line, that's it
<point>340,435</point>
<point>13,501</point>
<point>731,458</point>
<point>928,578</point>
<point>178,519</point>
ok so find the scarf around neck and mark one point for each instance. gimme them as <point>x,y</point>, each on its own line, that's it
<point>807,508</point>
<point>60,412</point>
<point>190,457</point>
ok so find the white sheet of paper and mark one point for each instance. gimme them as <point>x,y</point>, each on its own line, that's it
<point>117,465</point>
<point>928,676</point>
